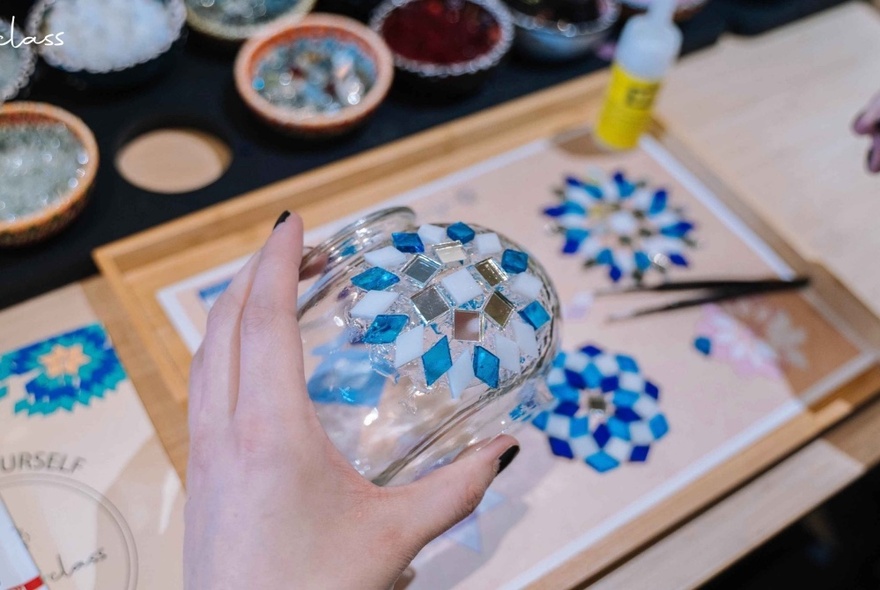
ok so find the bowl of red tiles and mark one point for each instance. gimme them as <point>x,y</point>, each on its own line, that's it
<point>444,47</point>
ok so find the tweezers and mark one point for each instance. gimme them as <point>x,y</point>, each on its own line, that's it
<point>718,290</point>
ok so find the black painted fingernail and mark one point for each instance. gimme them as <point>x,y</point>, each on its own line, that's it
<point>507,457</point>
<point>282,219</point>
<point>870,157</point>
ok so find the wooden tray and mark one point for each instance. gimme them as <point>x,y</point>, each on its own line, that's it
<point>139,266</point>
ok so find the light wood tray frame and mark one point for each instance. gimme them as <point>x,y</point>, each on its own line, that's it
<point>138,266</point>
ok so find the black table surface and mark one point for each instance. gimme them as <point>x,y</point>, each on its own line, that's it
<point>199,91</point>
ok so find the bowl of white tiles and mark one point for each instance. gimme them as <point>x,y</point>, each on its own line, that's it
<point>421,339</point>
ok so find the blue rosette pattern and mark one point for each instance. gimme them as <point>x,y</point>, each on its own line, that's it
<point>606,412</point>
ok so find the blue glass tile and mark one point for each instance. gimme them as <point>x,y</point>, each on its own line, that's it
<point>514,261</point>
<point>575,379</point>
<point>643,263</point>
<point>571,246</point>
<point>658,426</point>
<point>652,390</point>
<point>555,211</point>
<point>626,414</point>
<point>602,462</point>
<point>677,230</point>
<point>566,408</point>
<point>486,366</point>
<point>541,420</point>
<point>385,329</point>
<point>375,279</point>
<point>615,273</point>
<point>618,428</point>
<point>593,376</point>
<point>627,363</point>
<point>609,383</point>
<point>535,314</point>
<point>578,234</point>
<point>625,187</point>
<point>704,345</point>
<point>602,435</point>
<point>437,360</point>
<point>575,182</point>
<point>408,242</point>
<point>625,398</point>
<point>591,350</point>
<point>678,260</point>
<point>579,427</point>
<point>639,453</point>
<point>560,448</point>
<point>564,392</point>
<point>605,257</point>
<point>460,232</point>
<point>658,202</point>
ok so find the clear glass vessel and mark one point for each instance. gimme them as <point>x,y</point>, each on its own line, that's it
<point>421,340</point>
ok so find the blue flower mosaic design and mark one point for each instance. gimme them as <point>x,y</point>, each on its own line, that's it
<point>64,371</point>
<point>606,413</point>
<point>626,226</point>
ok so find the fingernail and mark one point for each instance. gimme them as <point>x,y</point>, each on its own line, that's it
<point>282,219</point>
<point>507,457</point>
<point>870,157</point>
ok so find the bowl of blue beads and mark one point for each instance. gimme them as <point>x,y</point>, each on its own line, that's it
<point>322,76</point>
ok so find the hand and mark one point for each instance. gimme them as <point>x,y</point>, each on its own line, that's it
<point>271,502</point>
<point>868,123</point>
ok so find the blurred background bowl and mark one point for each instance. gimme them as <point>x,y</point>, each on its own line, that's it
<point>17,64</point>
<point>233,21</point>
<point>554,30</point>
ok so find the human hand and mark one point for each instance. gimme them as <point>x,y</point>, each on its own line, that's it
<point>868,123</point>
<point>271,502</point>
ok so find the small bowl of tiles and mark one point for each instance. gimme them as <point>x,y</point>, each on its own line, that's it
<point>444,48</point>
<point>234,21</point>
<point>320,77</point>
<point>17,64</point>
<point>108,43</point>
<point>48,163</point>
<point>423,339</point>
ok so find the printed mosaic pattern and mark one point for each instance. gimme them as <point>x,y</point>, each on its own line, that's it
<point>447,306</point>
<point>606,412</point>
<point>626,226</point>
<point>754,337</point>
<point>63,371</point>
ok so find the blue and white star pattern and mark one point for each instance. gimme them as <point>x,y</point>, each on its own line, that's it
<point>437,306</point>
<point>606,413</point>
<point>628,227</point>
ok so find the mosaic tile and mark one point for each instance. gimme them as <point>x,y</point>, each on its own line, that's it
<point>499,309</point>
<point>430,304</point>
<point>373,303</point>
<point>507,352</point>
<point>437,361</point>
<point>486,366</point>
<point>374,279</point>
<point>421,269</point>
<point>514,261</point>
<point>490,271</point>
<point>408,242</point>
<point>409,346</point>
<point>461,374</point>
<point>535,314</point>
<point>487,243</point>
<point>432,234</point>
<point>467,326</point>
<point>385,329</point>
<point>527,285</point>
<point>449,252</point>
<point>387,257</point>
<point>461,286</point>
<point>460,232</point>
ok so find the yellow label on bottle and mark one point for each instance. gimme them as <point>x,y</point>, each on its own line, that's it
<point>627,109</point>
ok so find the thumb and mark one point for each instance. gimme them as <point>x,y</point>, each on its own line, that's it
<point>448,495</point>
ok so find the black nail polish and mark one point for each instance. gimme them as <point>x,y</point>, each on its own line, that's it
<point>282,219</point>
<point>507,457</point>
<point>870,157</point>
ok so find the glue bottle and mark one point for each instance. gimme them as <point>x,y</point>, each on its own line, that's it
<point>648,46</point>
<point>17,569</point>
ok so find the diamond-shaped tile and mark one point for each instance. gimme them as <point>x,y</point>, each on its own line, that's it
<point>499,309</point>
<point>508,353</point>
<point>421,269</point>
<point>487,243</point>
<point>409,345</point>
<point>374,279</point>
<point>514,261</point>
<point>449,252</point>
<point>388,257</point>
<point>525,338</point>
<point>461,286</point>
<point>430,304</point>
<point>486,366</point>
<point>535,314</point>
<point>385,329</point>
<point>408,242</point>
<point>491,272</point>
<point>461,374</point>
<point>373,303</point>
<point>432,234</point>
<point>437,360</point>
<point>460,232</point>
<point>467,325</point>
<point>527,285</point>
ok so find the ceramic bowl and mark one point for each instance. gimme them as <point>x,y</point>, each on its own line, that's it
<point>318,33</point>
<point>16,64</point>
<point>555,39</point>
<point>435,77</point>
<point>686,8</point>
<point>50,217</point>
<point>220,20</point>
<point>109,70</point>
